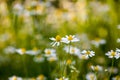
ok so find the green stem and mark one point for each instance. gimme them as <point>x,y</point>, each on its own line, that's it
<point>111,68</point>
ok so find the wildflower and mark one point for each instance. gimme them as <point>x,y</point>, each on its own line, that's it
<point>62,78</point>
<point>56,40</point>
<point>9,49</point>
<point>88,53</point>
<point>41,77</point>
<point>91,76</point>
<point>50,52</point>
<point>112,54</point>
<point>118,26</point>
<point>83,56</point>
<point>118,40</point>
<point>18,8</point>
<point>116,78</point>
<point>52,58</point>
<point>72,50</point>
<point>73,69</point>
<point>96,68</point>
<point>38,58</point>
<point>21,51</point>
<point>113,70</point>
<point>70,38</point>
<point>15,78</point>
<point>35,51</point>
<point>98,42</point>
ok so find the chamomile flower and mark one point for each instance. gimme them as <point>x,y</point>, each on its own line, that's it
<point>88,53</point>
<point>21,51</point>
<point>83,56</point>
<point>70,62</point>
<point>15,78</point>
<point>118,40</point>
<point>39,58</point>
<point>9,49</point>
<point>72,50</point>
<point>18,8</point>
<point>62,78</point>
<point>116,78</point>
<point>91,76</point>
<point>96,68</point>
<point>70,38</point>
<point>41,77</point>
<point>98,42</point>
<point>35,51</point>
<point>52,58</point>
<point>112,54</point>
<point>56,41</point>
<point>50,52</point>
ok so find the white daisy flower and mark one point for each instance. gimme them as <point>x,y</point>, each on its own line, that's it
<point>52,58</point>
<point>83,56</point>
<point>118,40</point>
<point>116,78</point>
<point>70,38</point>
<point>35,51</point>
<point>56,41</point>
<point>98,42</point>
<point>9,49</point>
<point>118,26</point>
<point>18,8</point>
<point>21,51</point>
<point>50,52</point>
<point>15,78</point>
<point>63,78</point>
<point>91,76</point>
<point>41,77</point>
<point>88,53</point>
<point>39,58</point>
<point>96,68</point>
<point>112,54</point>
<point>72,50</point>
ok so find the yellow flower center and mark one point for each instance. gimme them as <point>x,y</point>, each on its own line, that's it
<point>113,54</point>
<point>23,50</point>
<point>97,39</point>
<point>48,52</point>
<point>52,59</point>
<point>41,77</point>
<point>35,49</point>
<point>72,50</point>
<point>33,79</point>
<point>88,52</point>
<point>92,77</point>
<point>70,37</point>
<point>58,38</point>
<point>69,61</point>
<point>14,78</point>
<point>60,79</point>
<point>96,68</point>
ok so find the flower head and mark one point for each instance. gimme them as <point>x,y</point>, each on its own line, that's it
<point>91,76</point>
<point>96,68</point>
<point>21,51</point>
<point>50,52</point>
<point>15,78</point>
<point>70,38</point>
<point>88,53</point>
<point>112,54</point>
<point>56,40</point>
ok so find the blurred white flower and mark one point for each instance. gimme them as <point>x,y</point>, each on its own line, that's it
<point>113,70</point>
<point>96,68</point>
<point>116,78</point>
<point>52,58</point>
<point>56,41</point>
<point>88,53</point>
<point>41,77</point>
<point>50,52</point>
<point>18,8</point>
<point>35,51</point>
<point>98,42</point>
<point>112,54</point>
<point>72,50</point>
<point>38,58</point>
<point>21,51</point>
<point>70,38</point>
<point>62,78</point>
<point>91,76</point>
<point>118,26</point>
<point>15,78</point>
<point>83,56</point>
<point>9,49</point>
<point>118,40</point>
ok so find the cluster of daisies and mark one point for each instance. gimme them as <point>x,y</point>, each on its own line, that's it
<point>51,55</point>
